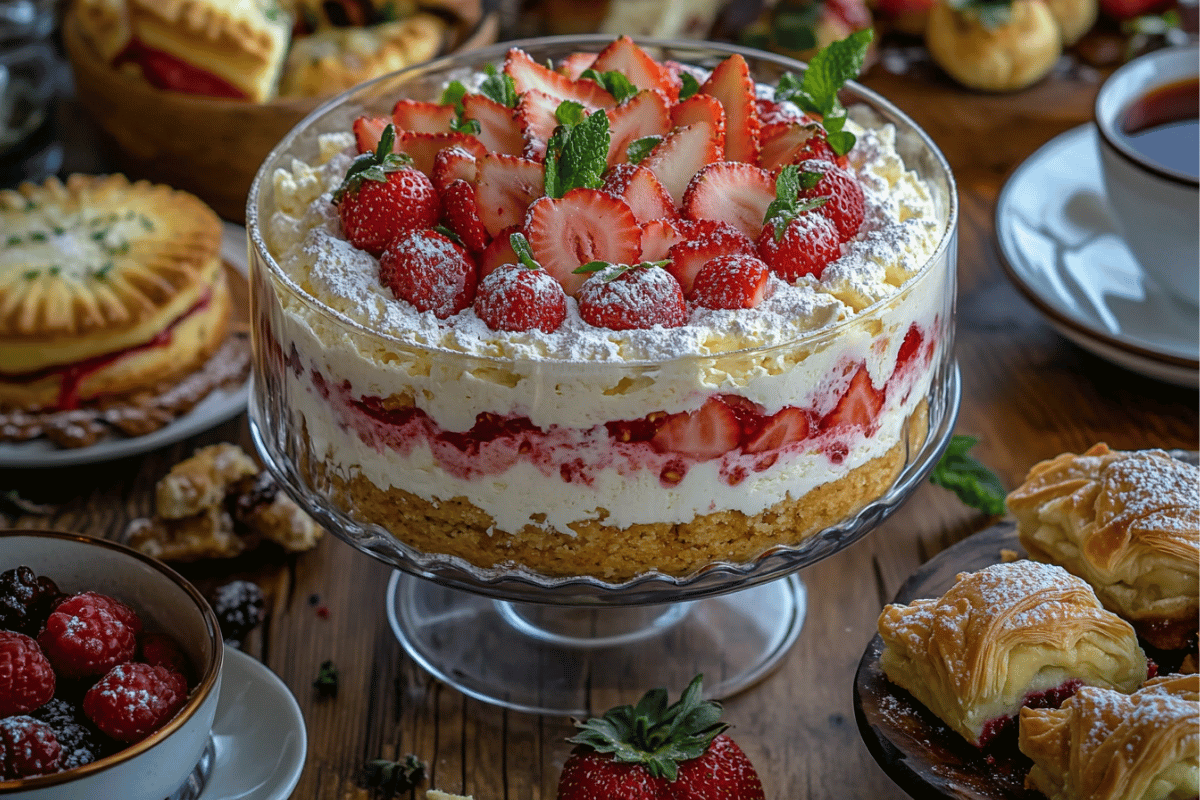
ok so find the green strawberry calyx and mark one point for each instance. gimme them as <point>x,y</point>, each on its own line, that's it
<point>373,166</point>
<point>653,734</point>
<point>787,204</point>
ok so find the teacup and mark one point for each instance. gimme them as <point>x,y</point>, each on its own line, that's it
<point>1146,113</point>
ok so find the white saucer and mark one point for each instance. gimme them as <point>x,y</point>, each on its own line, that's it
<point>1063,252</point>
<point>258,735</point>
<point>219,406</point>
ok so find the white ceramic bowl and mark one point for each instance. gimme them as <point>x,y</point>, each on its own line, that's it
<point>156,766</point>
<point>1155,206</point>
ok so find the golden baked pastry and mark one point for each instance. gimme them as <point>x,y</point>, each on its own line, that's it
<point>1006,636</point>
<point>1104,745</point>
<point>334,59</point>
<point>208,534</point>
<point>981,54</point>
<point>202,481</point>
<point>1127,522</point>
<point>106,288</point>
<point>220,48</point>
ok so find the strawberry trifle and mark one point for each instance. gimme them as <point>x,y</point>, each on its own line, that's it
<point>589,309</point>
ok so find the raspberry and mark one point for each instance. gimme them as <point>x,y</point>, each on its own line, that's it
<point>26,600</point>
<point>115,607</point>
<point>27,748</point>
<point>134,700</point>
<point>80,744</point>
<point>26,678</point>
<point>161,650</point>
<point>87,635</point>
<point>239,606</point>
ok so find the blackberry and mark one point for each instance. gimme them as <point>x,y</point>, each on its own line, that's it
<point>250,495</point>
<point>80,743</point>
<point>26,600</point>
<point>239,606</point>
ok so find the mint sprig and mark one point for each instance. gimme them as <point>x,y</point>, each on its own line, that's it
<point>522,250</point>
<point>577,153</point>
<point>640,148</point>
<point>690,85</point>
<point>787,204</point>
<point>817,91</point>
<point>976,485</point>
<point>499,86</point>
<point>613,82</point>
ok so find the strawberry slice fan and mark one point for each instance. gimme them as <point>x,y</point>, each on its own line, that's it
<point>600,397</point>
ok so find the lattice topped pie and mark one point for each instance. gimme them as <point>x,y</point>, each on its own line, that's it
<point>1013,634</point>
<point>1127,522</point>
<point>106,288</point>
<point>1104,745</point>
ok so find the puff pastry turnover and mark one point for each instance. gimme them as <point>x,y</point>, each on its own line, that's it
<point>1104,745</point>
<point>106,288</point>
<point>1127,522</point>
<point>1010,635</point>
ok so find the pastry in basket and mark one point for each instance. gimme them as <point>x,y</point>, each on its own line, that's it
<point>334,59</point>
<point>217,48</point>
<point>1011,635</point>
<point>107,288</point>
<point>1104,745</point>
<point>1127,522</point>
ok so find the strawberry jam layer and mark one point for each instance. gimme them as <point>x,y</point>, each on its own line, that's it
<point>728,429</point>
<point>1049,698</point>
<point>166,71</point>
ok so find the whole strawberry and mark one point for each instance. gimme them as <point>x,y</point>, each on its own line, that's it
<point>522,296</point>
<point>382,196</point>
<point>429,270</point>
<point>624,297</point>
<point>26,677</point>
<point>796,239</point>
<point>653,751</point>
<point>133,700</point>
<point>844,202</point>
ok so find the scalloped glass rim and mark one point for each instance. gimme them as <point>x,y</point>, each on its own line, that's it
<point>719,577</point>
<point>914,145</point>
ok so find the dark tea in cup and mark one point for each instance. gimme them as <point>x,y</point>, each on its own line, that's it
<point>1164,126</point>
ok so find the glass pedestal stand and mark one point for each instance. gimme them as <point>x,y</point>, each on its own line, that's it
<point>570,661</point>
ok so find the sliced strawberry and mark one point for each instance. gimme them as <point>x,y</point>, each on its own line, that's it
<point>498,253</point>
<point>527,74</point>
<point>689,256</point>
<point>644,114</point>
<point>787,426</point>
<point>506,186</point>
<point>790,143</point>
<point>709,432</point>
<point>575,64</point>
<point>460,213</point>
<point>498,127</point>
<point>773,113</point>
<point>658,236</point>
<point>641,191</point>
<point>429,271</point>
<point>424,147</point>
<point>536,117</point>
<point>455,163</point>
<point>858,407</point>
<point>730,82</point>
<point>701,108</point>
<point>624,56</point>
<point>681,155</point>
<point>419,116</point>
<point>732,192</point>
<point>367,131</point>
<point>910,346</point>
<point>581,226</point>
<point>627,297</point>
<point>845,206</point>
<point>731,282</point>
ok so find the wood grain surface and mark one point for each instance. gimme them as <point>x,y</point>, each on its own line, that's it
<point>1028,394</point>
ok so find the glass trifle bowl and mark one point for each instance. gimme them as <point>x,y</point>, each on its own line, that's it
<point>594,496</point>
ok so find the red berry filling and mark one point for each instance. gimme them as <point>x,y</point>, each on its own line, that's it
<point>1049,698</point>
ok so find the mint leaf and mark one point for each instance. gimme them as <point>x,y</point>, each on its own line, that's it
<point>613,82</point>
<point>640,148</point>
<point>787,205</point>
<point>690,85</point>
<point>976,485</point>
<point>523,251</point>
<point>577,153</point>
<point>453,95</point>
<point>817,91</point>
<point>499,86</point>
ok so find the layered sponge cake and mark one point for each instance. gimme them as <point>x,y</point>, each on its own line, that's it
<point>605,378</point>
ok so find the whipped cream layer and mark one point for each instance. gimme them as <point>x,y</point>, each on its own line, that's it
<point>357,353</point>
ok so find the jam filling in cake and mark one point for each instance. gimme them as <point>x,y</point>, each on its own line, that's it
<point>637,316</point>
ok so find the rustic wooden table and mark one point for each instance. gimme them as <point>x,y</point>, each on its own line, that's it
<point>1028,394</point>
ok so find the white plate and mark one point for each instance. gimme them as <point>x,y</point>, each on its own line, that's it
<point>259,739</point>
<point>219,406</point>
<point>1064,253</point>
